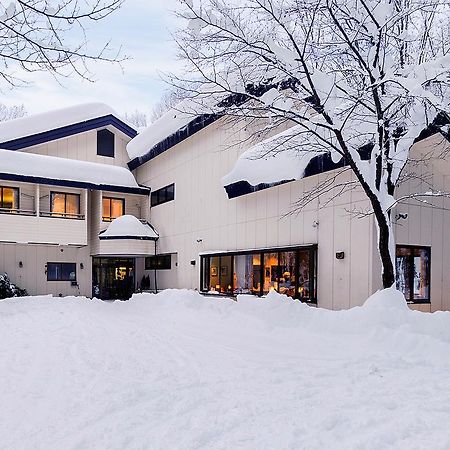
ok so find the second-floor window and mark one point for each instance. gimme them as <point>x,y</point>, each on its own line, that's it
<point>9,198</point>
<point>63,204</point>
<point>163,195</point>
<point>112,208</point>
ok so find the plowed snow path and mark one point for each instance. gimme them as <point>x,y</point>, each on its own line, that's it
<point>176,371</point>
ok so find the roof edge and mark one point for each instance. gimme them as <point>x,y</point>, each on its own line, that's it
<point>69,130</point>
<point>75,184</point>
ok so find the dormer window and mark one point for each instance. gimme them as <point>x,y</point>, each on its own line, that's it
<point>105,143</point>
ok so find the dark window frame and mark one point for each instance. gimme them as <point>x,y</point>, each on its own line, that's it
<point>162,195</point>
<point>110,219</point>
<point>65,214</point>
<point>412,300</point>
<point>106,143</point>
<point>159,262</point>
<point>16,189</point>
<point>312,249</point>
<point>61,264</point>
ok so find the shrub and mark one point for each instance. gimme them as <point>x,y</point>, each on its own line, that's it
<point>8,289</point>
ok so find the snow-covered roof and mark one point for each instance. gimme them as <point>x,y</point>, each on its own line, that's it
<point>129,227</point>
<point>31,167</point>
<point>274,160</point>
<point>51,120</point>
<point>175,120</point>
<point>169,123</point>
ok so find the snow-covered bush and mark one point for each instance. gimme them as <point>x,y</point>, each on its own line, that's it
<point>8,289</point>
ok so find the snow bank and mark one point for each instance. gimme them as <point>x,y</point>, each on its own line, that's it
<point>54,168</point>
<point>178,370</point>
<point>39,123</point>
<point>131,226</point>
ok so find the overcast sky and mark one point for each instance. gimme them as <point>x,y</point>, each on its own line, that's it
<point>143,28</point>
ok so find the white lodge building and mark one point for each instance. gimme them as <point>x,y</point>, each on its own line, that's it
<point>88,208</point>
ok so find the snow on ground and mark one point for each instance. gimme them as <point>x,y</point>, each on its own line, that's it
<point>179,371</point>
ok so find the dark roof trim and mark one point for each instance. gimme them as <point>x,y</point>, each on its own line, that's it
<point>69,130</point>
<point>192,127</point>
<point>319,164</point>
<point>126,238</point>
<point>75,184</point>
<point>435,127</point>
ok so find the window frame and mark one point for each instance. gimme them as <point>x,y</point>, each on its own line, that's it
<point>312,268</point>
<point>16,189</point>
<point>164,258</point>
<point>65,215</point>
<point>61,264</point>
<point>156,196</point>
<point>110,219</point>
<point>410,247</point>
<point>102,143</point>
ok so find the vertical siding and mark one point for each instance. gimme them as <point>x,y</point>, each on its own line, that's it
<point>201,209</point>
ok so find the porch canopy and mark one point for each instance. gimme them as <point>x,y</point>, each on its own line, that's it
<point>129,227</point>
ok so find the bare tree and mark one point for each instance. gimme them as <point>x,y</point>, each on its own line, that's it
<point>137,118</point>
<point>38,35</point>
<point>11,112</point>
<point>168,101</point>
<point>358,80</point>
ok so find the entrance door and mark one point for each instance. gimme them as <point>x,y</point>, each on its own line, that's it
<point>113,278</point>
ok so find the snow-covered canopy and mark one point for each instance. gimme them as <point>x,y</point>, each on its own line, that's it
<point>129,227</point>
<point>62,169</point>
<point>58,118</point>
<point>276,159</point>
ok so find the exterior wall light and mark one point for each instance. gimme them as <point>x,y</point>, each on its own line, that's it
<point>20,264</point>
<point>340,255</point>
<point>81,266</point>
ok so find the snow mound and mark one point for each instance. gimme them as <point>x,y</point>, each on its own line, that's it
<point>279,158</point>
<point>128,226</point>
<point>179,370</point>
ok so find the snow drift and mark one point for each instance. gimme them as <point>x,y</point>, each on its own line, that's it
<point>177,370</point>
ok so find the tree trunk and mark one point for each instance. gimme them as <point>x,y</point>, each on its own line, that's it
<point>384,248</point>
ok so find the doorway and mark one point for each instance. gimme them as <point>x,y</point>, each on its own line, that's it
<point>113,278</point>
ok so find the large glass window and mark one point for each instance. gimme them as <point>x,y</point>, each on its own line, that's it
<point>271,272</point>
<point>413,272</point>
<point>112,208</point>
<point>61,271</point>
<point>9,198</point>
<point>63,204</point>
<point>286,282</point>
<point>290,272</point>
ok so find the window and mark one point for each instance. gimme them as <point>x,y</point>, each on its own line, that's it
<point>105,143</point>
<point>413,272</point>
<point>112,208</point>
<point>163,195</point>
<point>289,271</point>
<point>61,271</point>
<point>9,198</point>
<point>158,262</point>
<point>65,205</point>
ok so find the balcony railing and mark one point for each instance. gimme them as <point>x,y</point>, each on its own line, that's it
<point>30,212</point>
<point>19,212</point>
<point>60,215</point>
